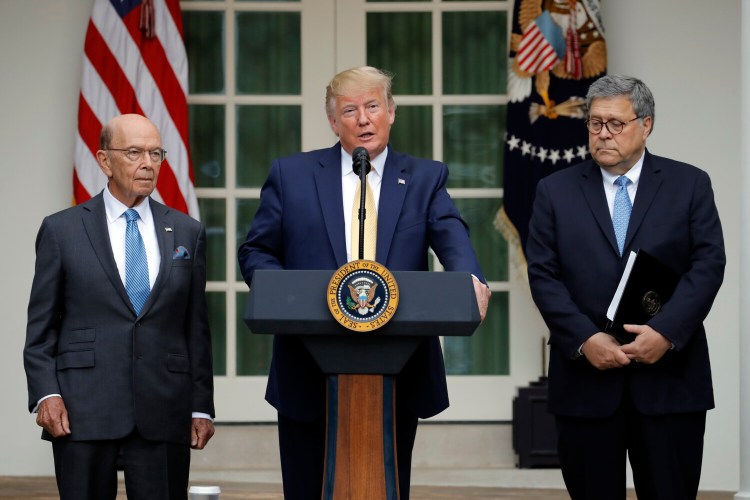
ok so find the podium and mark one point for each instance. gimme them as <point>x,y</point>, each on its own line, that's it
<point>360,459</point>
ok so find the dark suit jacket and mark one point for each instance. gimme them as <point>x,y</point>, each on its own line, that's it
<point>574,269</point>
<point>114,369</point>
<point>300,225</point>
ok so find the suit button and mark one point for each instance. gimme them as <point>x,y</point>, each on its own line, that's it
<point>138,324</point>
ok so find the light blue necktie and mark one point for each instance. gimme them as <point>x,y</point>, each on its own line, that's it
<point>621,212</point>
<point>136,263</point>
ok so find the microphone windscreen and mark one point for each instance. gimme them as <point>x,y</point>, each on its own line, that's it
<point>360,153</point>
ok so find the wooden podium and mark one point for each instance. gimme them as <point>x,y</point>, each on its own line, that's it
<point>361,455</point>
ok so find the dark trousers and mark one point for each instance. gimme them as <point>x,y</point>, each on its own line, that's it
<point>665,452</point>
<point>87,470</point>
<point>302,447</point>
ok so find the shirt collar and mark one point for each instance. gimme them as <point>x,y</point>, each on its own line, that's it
<point>634,174</point>
<point>377,163</point>
<point>115,208</point>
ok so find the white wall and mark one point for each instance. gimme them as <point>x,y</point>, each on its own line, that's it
<point>687,51</point>
<point>40,68</point>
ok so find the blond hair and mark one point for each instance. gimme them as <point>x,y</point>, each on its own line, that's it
<point>357,80</point>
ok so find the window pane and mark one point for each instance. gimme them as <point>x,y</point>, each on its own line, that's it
<point>245,212</point>
<point>412,131</point>
<point>253,351</point>
<point>263,134</point>
<point>387,35</point>
<point>485,352</point>
<point>217,320</point>
<point>268,53</point>
<point>207,145</point>
<point>472,140</point>
<point>474,52</point>
<point>204,43</point>
<point>491,247</point>
<point>214,217</point>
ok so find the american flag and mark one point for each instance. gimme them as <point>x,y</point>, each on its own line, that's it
<point>134,61</point>
<point>541,46</point>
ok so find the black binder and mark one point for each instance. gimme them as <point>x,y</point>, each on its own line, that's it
<point>646,285</point>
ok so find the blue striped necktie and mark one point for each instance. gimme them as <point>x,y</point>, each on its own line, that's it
<point>136,264</point>
<point>621,212</point>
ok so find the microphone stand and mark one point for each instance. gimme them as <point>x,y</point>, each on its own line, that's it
<point>362,167</point>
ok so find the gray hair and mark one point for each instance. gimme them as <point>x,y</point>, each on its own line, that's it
<point>635,90</point>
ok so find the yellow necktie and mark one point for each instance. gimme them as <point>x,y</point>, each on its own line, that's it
<point>371,223</point>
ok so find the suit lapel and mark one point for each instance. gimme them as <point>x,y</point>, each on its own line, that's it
<point>164,227</point>
<point>593,191</point>
<point>328,184</point>
<point>648,185</point>
<point>392,194</point>
<point>95,223</point>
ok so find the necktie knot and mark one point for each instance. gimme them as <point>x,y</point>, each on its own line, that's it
<point>622,181</point>
<point>131,215</point>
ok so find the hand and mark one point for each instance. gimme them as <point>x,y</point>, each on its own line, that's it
<point>649,345</point>
<point>202,430</point>
<point>603,351</point>
<point>483,294</point>
<point>53,417</point>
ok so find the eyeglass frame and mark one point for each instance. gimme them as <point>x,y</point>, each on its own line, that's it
<point>162,154</point>
<point>605,124</point>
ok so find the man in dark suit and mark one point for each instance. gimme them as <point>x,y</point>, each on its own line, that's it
<point>649,397</point>
<point>304,222</point>
<point>118,349</point>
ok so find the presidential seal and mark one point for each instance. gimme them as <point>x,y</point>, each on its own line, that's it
<point>362,295</point>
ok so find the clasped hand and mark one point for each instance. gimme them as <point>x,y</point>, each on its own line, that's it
<point>604,352</point>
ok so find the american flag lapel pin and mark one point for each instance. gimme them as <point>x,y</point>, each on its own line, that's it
<point>401,181</point>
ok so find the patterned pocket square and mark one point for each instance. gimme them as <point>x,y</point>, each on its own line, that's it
<point>180,253</point>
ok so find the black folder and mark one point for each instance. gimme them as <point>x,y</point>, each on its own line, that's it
<point>645,286</point>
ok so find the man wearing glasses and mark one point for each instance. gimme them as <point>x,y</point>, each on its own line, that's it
<point>118,349</point>
<point>646,399</point>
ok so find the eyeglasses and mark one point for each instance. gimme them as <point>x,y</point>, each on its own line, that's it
<point>614,126</point>
<point>135,154</point>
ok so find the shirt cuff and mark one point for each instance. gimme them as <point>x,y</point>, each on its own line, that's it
<point>197,414</point>
<point>36,408</point>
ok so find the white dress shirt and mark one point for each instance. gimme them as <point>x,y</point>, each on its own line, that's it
<point>349,181</point>
<point>116,225</point>
<point>610,188</point>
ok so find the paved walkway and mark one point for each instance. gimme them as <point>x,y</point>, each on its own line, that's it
<point>43,488</point>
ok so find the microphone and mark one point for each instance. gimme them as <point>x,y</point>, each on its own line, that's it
<point>361,167</point>
<point>360,157</point>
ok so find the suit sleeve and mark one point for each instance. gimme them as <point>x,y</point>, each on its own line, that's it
<point>44,314</point>
<point>449,233</point>
<point>691,301</point>
<point>199,336</point>
<point>263,247</point>
<point>569,327</point>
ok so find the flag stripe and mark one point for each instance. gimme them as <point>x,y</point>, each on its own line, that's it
<point>535,52</point>
<point>125,72</point>
<point>157,63</point>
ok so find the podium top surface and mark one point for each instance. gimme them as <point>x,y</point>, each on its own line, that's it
<point>293,302</point>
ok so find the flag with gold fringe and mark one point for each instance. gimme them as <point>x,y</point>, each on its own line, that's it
<point>557,49</point>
